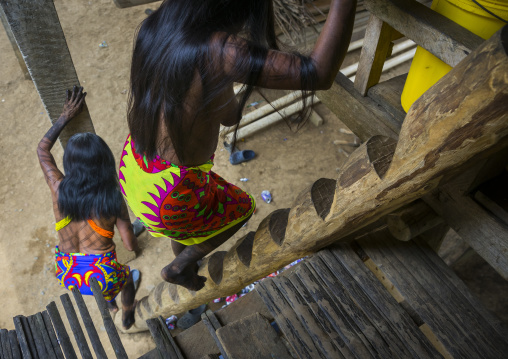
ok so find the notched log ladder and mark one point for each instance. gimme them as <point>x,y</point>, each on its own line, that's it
<point>463,117</point>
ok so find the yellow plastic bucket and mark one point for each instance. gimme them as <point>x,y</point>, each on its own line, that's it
<point>426,69</point>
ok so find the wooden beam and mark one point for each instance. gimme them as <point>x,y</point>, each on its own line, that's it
<point>412,220</point>
<point>437,34</point>
<point>361,114</point>
<point>376,48</point>
<point>460,118</point>
<point>15,47</point>
<point>39,35</point>
<point>482,231</point>
<point>492,206</point>
<point>387,95</point>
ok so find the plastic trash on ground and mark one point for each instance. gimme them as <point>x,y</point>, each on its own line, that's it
<point>266,196</point>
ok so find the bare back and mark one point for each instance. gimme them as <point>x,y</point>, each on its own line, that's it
<point>80,237</point>
<point>201,125</point>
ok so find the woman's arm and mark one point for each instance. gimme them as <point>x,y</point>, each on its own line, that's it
<point>124,225</point>
<point>73,106</point>
<point>282,69</point>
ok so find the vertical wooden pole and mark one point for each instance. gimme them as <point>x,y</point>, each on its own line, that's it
<point>15,47</point>
<point>40,38</point>
<point>377,46</point>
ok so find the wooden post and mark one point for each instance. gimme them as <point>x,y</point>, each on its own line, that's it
<point>377,46</point>
<point>39,35</point>
<point>15,47</point>
<point>461,118</point>
<point>412,220</point>
<point>129,3</point>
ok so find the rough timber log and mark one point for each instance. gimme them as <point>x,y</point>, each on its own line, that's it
<point>377,46</point>
<point>39,35</point>
<point>15,47</point>
<point>462,117</point>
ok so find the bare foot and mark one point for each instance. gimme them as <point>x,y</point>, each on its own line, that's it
<point>188,278</point>
<point>113,308</point>
<point>128,315</point>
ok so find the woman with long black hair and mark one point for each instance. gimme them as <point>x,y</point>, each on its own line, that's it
<point>187,55</point>
<point>87,203</point>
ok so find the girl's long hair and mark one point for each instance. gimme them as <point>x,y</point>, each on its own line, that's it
<point>90,187</point>
<point>173,45</point>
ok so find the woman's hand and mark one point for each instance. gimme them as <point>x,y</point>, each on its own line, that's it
<point>74,103</point>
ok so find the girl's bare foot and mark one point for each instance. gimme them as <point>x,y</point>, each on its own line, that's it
<point>112,306</point>
<point>188,278</point>
<point>128,315</point>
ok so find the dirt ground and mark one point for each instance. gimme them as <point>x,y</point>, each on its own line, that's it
<point>286,162</point>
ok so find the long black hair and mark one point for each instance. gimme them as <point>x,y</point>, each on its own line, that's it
<point>90,187</point>
<point>173,45</point>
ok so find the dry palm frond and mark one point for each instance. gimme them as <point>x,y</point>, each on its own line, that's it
<point>292,17</point>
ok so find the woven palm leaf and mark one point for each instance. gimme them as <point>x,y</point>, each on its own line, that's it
<point>292,17</point>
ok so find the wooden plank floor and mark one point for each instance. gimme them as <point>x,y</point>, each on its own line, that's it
<point>380,298</point>
<point>43,335</point>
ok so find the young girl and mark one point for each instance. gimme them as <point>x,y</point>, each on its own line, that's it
<point>186,58</point>
<point>87,204</point>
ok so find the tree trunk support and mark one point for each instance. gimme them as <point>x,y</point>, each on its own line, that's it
<point>377,46</point>
<point>39,35</point>
<point>15,47</point>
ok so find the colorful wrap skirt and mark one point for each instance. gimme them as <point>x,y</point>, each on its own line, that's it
<point>186,204</point>
<point>76,269</point>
